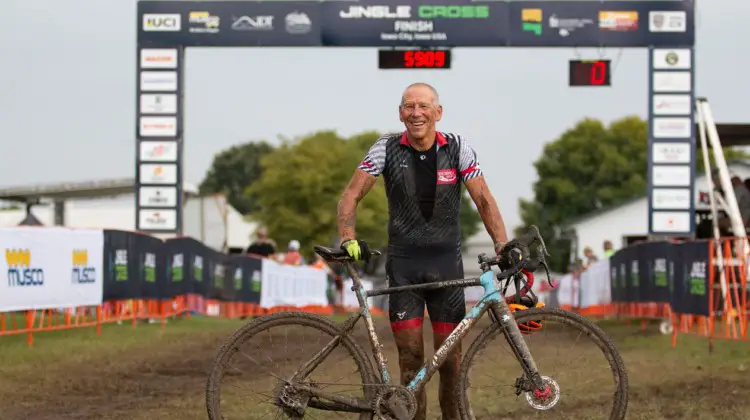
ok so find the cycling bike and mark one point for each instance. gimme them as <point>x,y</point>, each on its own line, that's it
<point>297,396</point>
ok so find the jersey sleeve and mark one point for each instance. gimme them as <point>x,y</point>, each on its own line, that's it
<point>468,164</point>
<point>374,160</point>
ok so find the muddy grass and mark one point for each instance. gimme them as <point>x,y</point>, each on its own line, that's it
<point>152,373</point>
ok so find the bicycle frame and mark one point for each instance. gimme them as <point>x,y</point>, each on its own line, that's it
<point>492,299</point>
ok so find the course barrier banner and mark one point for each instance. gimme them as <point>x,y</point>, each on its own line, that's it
<point>50,268</point>
<point>284,285</point>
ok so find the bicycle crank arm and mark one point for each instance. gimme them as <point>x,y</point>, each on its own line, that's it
<point>361,405</point>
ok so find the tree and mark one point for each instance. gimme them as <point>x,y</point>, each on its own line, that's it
<point>588,167</point>
<point>233,170</point>
<point>302,181</point>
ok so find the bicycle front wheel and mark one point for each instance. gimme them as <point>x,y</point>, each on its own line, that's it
<point>588,384</point>
<point>262,356</point>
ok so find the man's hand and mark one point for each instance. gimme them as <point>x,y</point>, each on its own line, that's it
<point>512,253</point>
<point>358,250</point>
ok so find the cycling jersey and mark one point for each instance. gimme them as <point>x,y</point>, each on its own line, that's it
<point>422,180</point>
<point>424,199</point>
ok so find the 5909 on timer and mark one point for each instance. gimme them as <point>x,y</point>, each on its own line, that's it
<point>414,59</point>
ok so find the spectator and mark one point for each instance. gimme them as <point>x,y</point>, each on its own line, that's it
<point>608,249</point>
<point>588,253</point>
<point>262,245</point>
<point>292,255</point>
<point>742,194</point>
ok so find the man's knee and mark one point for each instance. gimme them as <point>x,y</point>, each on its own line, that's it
<point>410,345</point>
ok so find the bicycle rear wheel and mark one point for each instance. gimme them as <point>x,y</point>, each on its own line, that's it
<point>346,371</point>
<point>572,394</point>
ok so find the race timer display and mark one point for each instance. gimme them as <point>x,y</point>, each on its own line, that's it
<point>589,73</point>
<point>414,59</point>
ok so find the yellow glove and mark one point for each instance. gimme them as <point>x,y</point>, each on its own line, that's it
<point>356,249</point>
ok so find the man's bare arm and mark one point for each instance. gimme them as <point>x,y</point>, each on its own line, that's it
<point>358,187</point>
<point>488,209</point>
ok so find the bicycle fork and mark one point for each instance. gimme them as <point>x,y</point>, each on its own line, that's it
<point>501,314</point>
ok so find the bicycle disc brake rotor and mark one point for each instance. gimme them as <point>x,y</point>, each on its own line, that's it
<point>544,400</point>
<point>395,400</point>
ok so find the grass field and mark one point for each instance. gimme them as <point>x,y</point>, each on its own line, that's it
<point>152,373</point>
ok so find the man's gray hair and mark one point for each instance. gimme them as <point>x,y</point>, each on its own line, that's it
<point>435,101</point>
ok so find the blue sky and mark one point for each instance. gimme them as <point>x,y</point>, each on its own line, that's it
<point>67,93</point>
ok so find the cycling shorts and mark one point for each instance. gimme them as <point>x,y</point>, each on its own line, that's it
<point>446,307</point>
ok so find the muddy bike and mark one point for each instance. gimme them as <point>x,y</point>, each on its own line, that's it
<point>296,395</point>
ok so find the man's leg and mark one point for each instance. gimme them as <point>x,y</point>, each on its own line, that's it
<point>406,312</point>
<point>447,308</point>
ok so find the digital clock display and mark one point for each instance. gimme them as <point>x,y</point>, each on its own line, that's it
<point>414,59</point>
<point>590,73</point>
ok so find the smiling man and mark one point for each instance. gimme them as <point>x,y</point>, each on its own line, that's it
<point>423,170</point>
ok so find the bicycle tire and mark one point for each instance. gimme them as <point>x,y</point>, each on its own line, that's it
<point>244,333</point>
<point>601,338</point>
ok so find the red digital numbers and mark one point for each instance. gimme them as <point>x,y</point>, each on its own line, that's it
<point>598,73</point>
<point>426,59</point>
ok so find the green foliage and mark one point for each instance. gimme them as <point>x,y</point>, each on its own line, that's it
<point>589,167</point>
<point>233,170</point>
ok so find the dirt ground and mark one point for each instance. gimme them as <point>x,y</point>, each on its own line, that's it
<point>152,373</point>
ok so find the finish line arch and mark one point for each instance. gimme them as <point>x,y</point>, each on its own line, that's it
<point>665,27</point>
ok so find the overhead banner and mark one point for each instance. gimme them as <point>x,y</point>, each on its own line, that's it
<point>438,23</point>
<point>47,268</point>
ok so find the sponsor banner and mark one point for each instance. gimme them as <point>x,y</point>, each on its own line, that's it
<point>159,58</point>
<point>667,21</point>
<point>673,128</point>
<point>158,81</point>
<point>672,81</point>
<point>151,173</point>
<point>672,59</point>
<point>414,23</point>
<point>671,222</point>
<point>170,22</point>
<point>158,126</point>
<point>672,104</point>
<point>50,268</point>
<point>158,151</point>
<point>286,285</point>
<point>536,24</point>
<point>154,220</point>
<point>157,196</point>
<point>671,175</point>
<point>670,199</point>
<point>158,103</point>
<point>671,152</point>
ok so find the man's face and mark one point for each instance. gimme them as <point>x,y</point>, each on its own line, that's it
<point>419,112</point>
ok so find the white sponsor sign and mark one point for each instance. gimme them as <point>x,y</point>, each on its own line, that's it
<point>157,196</point>
<point>170,22</point>
<point>671,152</point>
<point>158,127</point>
<point>672,128</point>
<point>158,151</point>
<point>158,174</point>
<point>673,59</point>
<point>158,103</point>
<point>672,104</point>
<point>158,81</point>
<point>157,219</point>
<point>667,21</point>
<point>158,58</point>
<point>50,268</point>
<point>670,221</point>
<point>286,285</point>
<point>670,176</point>
<point>672,81</point>
<point>670,198</point>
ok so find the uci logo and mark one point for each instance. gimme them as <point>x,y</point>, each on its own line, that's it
<point>82,273</point>
<point>161,22</point>
<point>20,270</point>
